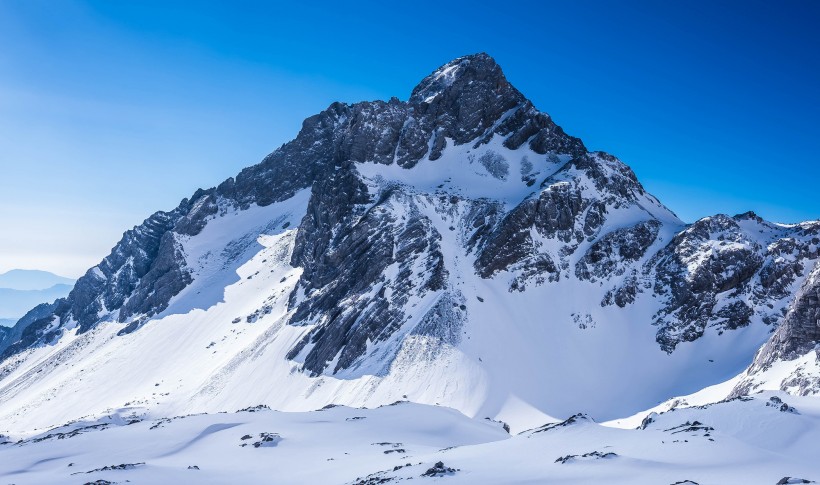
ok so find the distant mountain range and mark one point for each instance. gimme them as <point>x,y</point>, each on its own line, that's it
<point>32,279</point>
<point>23,289</point>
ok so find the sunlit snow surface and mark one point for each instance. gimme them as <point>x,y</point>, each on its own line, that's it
<point>742,441</point>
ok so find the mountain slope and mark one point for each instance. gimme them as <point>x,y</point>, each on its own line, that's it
<point>763,440</point>
<point>458,248</point>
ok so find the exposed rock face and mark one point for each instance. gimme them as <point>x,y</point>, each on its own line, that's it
<point>723,271</point>
<point>796,340</point>
<point>800,330</point>
<point>345,261</point>
<point>710,257</point>
<point>382,249</point>
<point>606,257</point>
<point>570,209</point>
<point>468,101</point>
<point>14,337</point>
<point>5,332</point>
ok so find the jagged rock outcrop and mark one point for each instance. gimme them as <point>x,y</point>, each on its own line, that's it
<point>794,346</point>
<point>723,271</point>
<point>570,209</point>
<point>800,330</point>
<point>5,332</point>
<point>709,258</point>
<point>13,336</point>
<point>347,243</point>
<point>608,255</point>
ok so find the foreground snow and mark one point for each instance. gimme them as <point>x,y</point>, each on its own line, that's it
<point>754,440</point>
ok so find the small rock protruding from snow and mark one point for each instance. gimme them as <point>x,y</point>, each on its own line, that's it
<point>593,455</point>
<point>649,419</point>
<point>790,480</point>
<point>439,470</point>
<point>781,406</point>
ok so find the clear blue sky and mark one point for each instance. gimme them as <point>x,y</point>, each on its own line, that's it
<point>110,110</point>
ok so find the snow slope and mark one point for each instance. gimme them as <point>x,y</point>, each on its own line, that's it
<point>742,441</point>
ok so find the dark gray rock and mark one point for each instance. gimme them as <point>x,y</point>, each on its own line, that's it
<point>710,257</point>
<point>561,211</point>
<point>470,99</point>
<point>592,455</point>
<point>572,420</point>
<point>344,262</point>
<point>791,480</point>
<point>609,256</point>
<point>800,330</point>
<point>798,335</point>
<point>439,470</point>
<point>39,325</point>
<point>13,335</point>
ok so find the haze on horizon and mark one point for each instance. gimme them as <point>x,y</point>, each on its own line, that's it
<point>111,111</point>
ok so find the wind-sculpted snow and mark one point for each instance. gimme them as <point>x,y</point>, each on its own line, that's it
<point>766,440</point>
<point>457,248</point>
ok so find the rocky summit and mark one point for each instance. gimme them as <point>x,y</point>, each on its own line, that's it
<point>457,248</point>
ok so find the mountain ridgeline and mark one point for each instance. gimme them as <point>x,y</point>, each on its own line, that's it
<point>434,225</point>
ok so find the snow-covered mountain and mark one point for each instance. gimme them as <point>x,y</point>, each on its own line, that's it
<point>455,249</point>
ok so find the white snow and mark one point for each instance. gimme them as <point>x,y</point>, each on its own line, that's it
<point>459,171</point>
<point>734,442</point>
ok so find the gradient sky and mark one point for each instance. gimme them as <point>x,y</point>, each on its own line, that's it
<point>111,110</point>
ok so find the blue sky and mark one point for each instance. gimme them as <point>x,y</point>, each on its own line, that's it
<point>112,110</point>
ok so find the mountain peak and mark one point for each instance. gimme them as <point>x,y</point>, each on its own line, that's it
<point>469,100</point>
<point>472,73</point>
